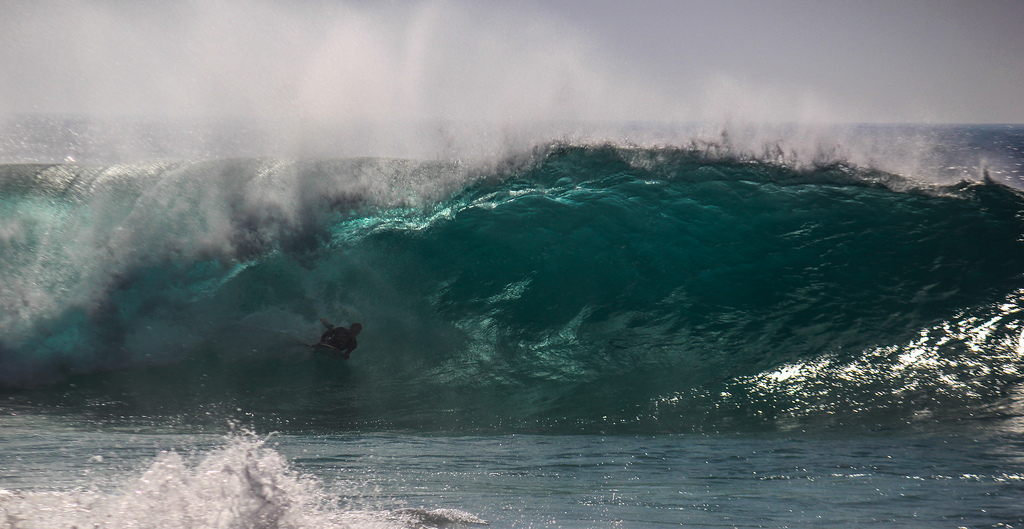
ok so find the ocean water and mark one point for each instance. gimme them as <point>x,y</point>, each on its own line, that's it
<point>571,334</point>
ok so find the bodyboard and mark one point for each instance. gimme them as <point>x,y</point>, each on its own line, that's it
<point>321,344</point>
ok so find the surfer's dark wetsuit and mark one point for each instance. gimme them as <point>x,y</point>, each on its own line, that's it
<point>340,339</point>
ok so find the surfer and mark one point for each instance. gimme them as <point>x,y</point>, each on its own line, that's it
<point>339,338</point>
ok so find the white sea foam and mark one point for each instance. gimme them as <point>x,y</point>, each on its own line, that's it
<point>245,484</point>
<point>80,231</point>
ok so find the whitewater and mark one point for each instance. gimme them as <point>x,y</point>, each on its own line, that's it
<point>571,333</point>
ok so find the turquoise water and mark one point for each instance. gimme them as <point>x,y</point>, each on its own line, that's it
<point>579,335</point>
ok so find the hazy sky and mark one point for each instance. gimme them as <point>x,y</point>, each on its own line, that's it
<point>870,60</point>
<point>864,60</point>
<point>851,61</point>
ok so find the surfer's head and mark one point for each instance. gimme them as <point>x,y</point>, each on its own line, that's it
<point>354,330</point>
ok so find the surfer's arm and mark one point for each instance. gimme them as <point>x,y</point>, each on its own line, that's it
<point>326,324</point>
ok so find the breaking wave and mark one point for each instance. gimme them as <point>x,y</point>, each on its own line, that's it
<point>574,287</point>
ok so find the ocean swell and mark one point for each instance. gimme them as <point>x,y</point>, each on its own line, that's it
<point>589,284</point>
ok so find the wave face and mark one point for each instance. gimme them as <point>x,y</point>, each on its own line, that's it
<point>590,288</point>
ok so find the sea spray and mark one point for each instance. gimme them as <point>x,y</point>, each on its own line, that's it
<point>243,483</point>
